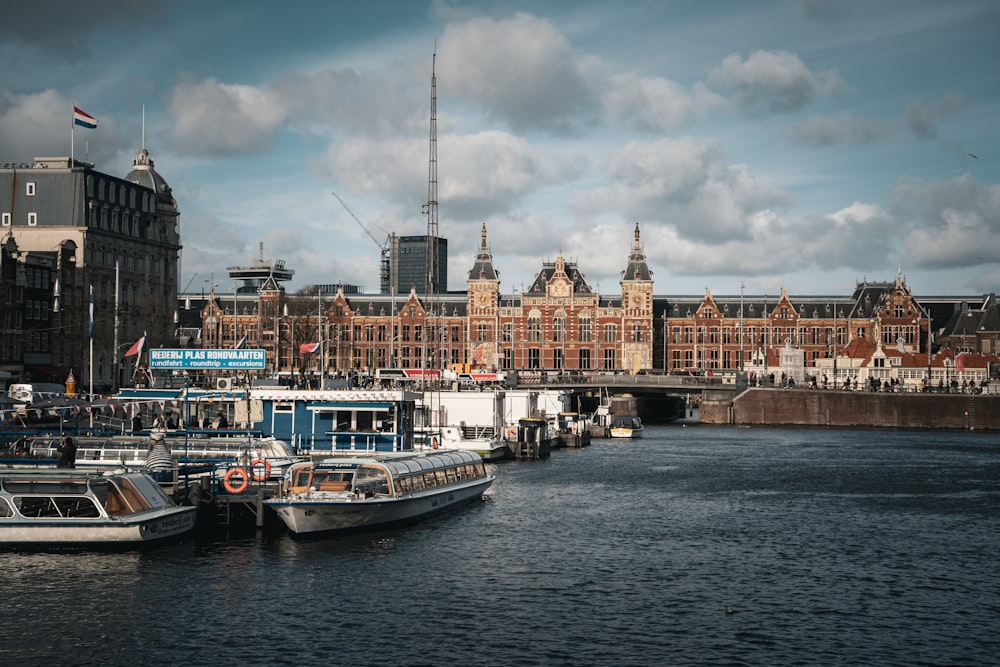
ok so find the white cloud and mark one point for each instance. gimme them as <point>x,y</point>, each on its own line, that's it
<point>685,183</point>
<point>957,222</point>
<point>650,103</point>
<point>522,69</point>
<point>211,117</point>
<point>776,80</point>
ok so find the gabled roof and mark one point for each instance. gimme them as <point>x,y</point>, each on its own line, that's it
<point>560,265</point>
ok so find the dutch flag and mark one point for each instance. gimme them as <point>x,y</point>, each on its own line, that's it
<point>83,119</point>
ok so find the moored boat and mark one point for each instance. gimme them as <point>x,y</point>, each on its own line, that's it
<point>574,429</point>
<point>452,438</point>
<point>347,493</point>
<point>67,508</point>
<point>129,451</point>
<point>626,426</point>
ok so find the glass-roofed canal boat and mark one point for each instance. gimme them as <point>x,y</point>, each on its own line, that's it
<point>347,493</point>
<point>70,508</point>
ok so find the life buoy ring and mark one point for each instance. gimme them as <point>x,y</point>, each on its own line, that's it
<point>255,464</point>
<point>227,481</point>
<point>434,442</point>
<point>511,433</point>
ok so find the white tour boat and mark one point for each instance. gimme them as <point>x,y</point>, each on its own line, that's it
<point>68,508</point>
<point>342,493</point>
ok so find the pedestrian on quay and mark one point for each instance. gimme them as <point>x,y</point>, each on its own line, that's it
<point>67,453</point>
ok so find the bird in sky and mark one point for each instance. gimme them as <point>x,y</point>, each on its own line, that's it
<point>973,156</point>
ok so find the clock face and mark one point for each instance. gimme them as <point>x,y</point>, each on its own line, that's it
<point>636,300</point>
<point>481,299</point>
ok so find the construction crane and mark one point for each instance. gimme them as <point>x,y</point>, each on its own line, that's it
<point>384,274</point>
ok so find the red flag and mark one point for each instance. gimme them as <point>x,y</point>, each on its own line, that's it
<point>136,349</point>
<point>308,348</point>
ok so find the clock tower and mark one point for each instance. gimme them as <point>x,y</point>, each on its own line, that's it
<point>637,310</point>
<point>483,301</point>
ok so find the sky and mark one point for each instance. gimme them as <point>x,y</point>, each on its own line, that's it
<point>805,145</point>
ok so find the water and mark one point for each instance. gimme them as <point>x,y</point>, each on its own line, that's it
<point>692,546</point>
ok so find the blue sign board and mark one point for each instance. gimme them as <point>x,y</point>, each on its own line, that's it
<point>208,359</point>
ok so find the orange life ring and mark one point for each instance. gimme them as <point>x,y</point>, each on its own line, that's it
<point>256,463</point>
<point>434,442</point>
<point>244,481</point>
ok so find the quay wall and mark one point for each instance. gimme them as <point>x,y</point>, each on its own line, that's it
<point>806,407</point>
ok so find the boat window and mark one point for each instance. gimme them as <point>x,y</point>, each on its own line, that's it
<point>5,510</point>
<point>416,482</point>
<point>133,499</point>
<point>13,486</point>
<point>442,479</point>
<point>78,507</point>
<point>451,475</point>
<point>36,506</point>
<point>371,480</point>
<point>430,481</point>
<point>365,421</point>
<point>301,477</point>
<point>114,502</point>
<point>151,492</point>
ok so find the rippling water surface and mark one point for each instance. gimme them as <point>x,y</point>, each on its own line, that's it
<point>692,546</point>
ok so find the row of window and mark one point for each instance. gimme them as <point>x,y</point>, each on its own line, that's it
<point>118,193</point>
<point>5,219</point>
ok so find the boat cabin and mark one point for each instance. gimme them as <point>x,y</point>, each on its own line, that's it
<point>319,421</point>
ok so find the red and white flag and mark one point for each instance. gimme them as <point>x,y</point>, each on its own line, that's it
<point>136,349</point>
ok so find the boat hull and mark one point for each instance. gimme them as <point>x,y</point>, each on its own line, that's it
<point>347,512</point>
<point>138,530</point>
<point>626,433</point>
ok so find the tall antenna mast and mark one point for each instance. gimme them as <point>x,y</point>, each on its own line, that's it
<point>431,207</point>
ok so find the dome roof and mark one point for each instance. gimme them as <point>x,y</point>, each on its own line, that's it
<point>143,174</point>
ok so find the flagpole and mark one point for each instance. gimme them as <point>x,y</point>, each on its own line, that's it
<point>114,382</point>
<point>91,336</point>
<point>72,137</point>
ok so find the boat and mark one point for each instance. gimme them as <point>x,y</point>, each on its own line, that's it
<point>626,426</point>
<point>452,438</point>
<point>129,451</point>
<point>574,429</point>
<point>68,508</point>
<point>531,439</point>
<point>347,493</point>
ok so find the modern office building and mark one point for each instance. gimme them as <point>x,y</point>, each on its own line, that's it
<point>408,264</point>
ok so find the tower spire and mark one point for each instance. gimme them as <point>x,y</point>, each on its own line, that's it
<point>431,207</point>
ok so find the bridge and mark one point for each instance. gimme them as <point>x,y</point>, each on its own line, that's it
<point>655,395</point>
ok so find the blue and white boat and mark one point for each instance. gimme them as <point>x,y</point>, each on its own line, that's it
<point>45,509</point>
<point>347,493</point>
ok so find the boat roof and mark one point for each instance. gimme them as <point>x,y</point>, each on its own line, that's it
<point>60,473</point>
<point>423,460</point>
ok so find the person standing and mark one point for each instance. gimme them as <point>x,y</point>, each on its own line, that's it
<point>67,453</point>
<point>159,463</point>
